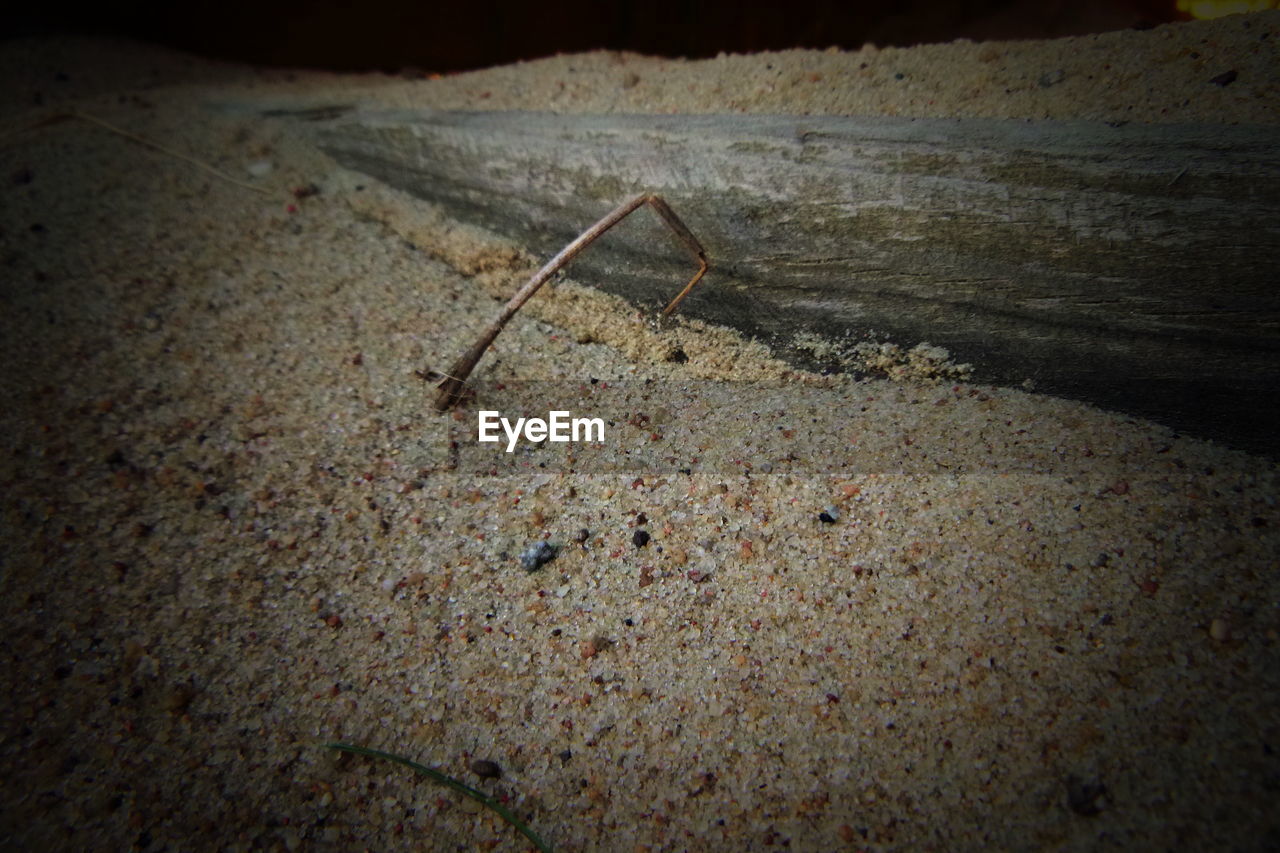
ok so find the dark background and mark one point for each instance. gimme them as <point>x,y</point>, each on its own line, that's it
<point>391,35</point>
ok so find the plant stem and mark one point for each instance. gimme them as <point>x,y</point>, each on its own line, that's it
<point>449,782</point>
<point>451,387</point>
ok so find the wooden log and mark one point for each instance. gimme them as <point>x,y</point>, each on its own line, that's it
<point>1133,266</point>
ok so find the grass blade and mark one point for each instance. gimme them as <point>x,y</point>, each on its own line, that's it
<point>449,782</point>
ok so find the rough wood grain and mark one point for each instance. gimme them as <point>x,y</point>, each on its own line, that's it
<point>1132,266</point>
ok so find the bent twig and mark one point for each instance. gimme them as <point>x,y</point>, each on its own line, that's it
<point>452,386</point>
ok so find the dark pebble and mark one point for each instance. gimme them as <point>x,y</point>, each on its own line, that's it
<point>826,518</point>
<point>640,538</point>
<point>1086,799</point>
<point>1226,78</point>
<point>486,769</point>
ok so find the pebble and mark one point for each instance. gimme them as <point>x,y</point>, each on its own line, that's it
<point>1086,798</point>
<point>537,555</point>
<point>640,538</point>
<point>486,769</point>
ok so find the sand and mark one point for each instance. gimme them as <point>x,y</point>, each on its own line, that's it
<point>883,614</point>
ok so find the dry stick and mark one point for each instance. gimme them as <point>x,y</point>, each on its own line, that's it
<point>142,140</point>
<point>454,382</point>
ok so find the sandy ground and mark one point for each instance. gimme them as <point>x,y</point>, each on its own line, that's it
<point>879,614</point>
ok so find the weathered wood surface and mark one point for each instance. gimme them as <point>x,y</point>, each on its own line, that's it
<point>1133,266</point>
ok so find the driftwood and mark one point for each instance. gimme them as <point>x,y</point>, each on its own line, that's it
<point>1133,266</point>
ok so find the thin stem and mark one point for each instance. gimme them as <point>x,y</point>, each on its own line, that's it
<point>164,149</point>
<point>449,782</point>
<point>451,388</point>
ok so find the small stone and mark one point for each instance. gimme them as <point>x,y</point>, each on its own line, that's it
<point>1226,78</point>
<point>1086,799</point>
<point>1220,630</point>
<point>178,698</point>
<point>259,168</point>
<point>829,515</point>
<point>594,646</point>
<point>640,538</point>
<point>486,769</point>
<point>537,555</point>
